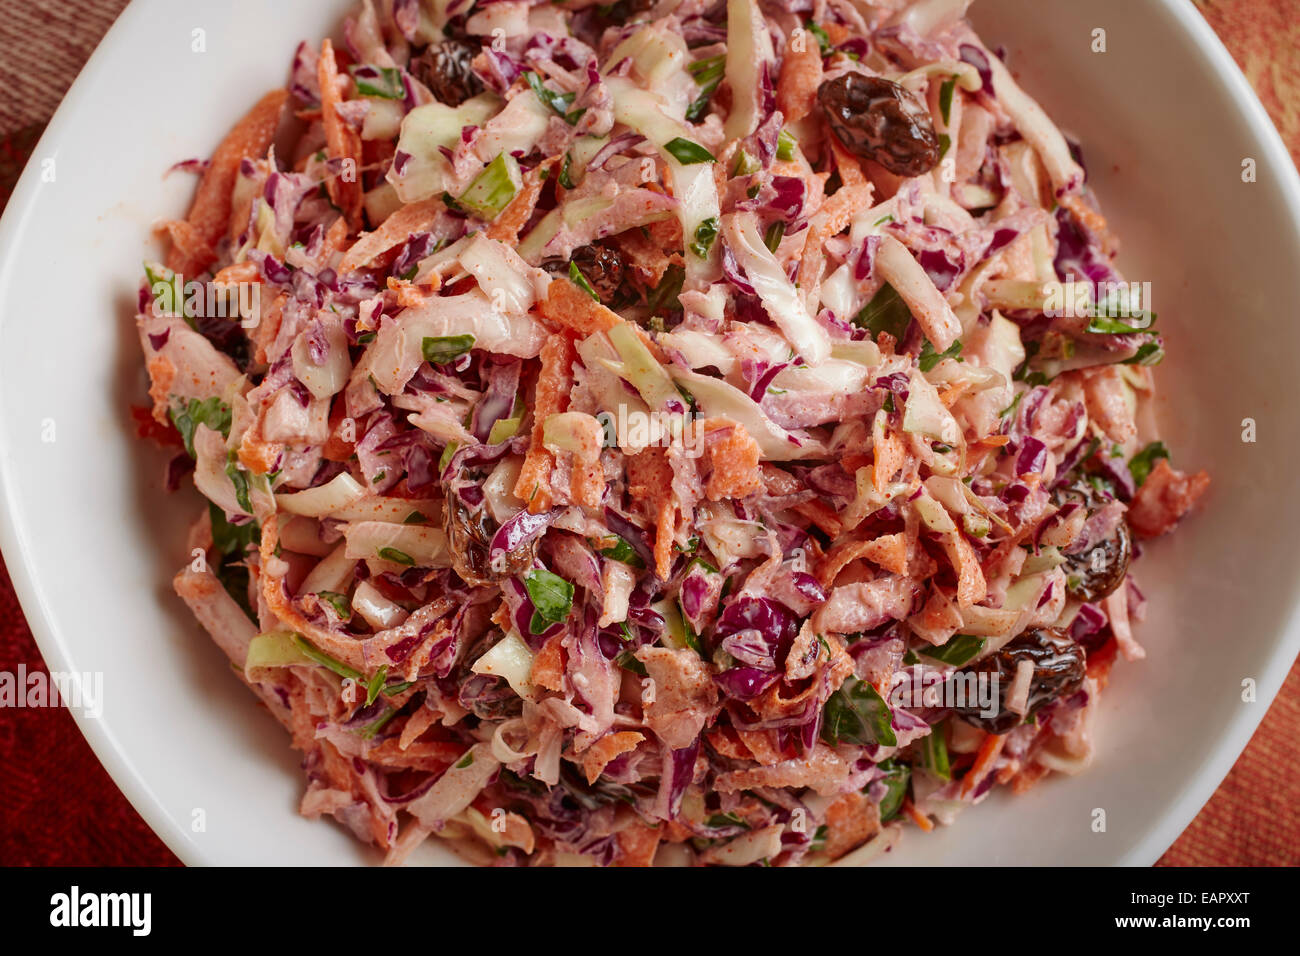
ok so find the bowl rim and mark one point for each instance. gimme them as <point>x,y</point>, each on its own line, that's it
<point>18,214</point>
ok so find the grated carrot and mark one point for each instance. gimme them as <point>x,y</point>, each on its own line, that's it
<point>251,137</point>
<point>822,515</point>
<point>268,327</point>
<point>337,644</point>
<point>648,258</point>
<point>190,254</point>
<point>801,74</point>
<point>838,558</point>
<point>598,756</point>
<point>733,461</point>
<point>889,456</point>
<point>831,219</point>
<point>889,551</point>
<point>245,271</point>
<point>637,845</point>
<point>971,585</point>
<point>548,665</point>
<point>650,483</point>
<point>571,308</point>
<point>338,447</point>
<point>917,817</point>
<point>409,295</point>
<point>395,230</point>
<point>519,210</point>
<point>256,454</point>
<point>342,141</point>
<point>990,747</point>
<point>162,373</point>
<point>850,170</point>
<point>550,397</point>
<point>837,32</point>
<point>950,395</point>
<point>850,821</point>
<point>1092,220</point>
<point>417,724</point>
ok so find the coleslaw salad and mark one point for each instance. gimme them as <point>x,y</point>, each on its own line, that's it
<point>481,614</point>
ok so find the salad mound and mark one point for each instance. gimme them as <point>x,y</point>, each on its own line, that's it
<point>674,433</point>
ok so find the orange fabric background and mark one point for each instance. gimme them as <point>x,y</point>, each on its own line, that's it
<point>1251,820</point>
<point>58,806</point>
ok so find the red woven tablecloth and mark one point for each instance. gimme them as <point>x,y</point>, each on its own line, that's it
<point>58,806</point>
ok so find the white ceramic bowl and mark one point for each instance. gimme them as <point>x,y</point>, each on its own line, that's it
<point>92,541</point>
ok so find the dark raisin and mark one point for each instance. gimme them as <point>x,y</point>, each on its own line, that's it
<point>600,265</point>
<point>1095,565</point>
<point>1059,671</point>
<point>1099,568</point>
<point>469,537</point>
<point>877,119</point>
<point>445,69</point>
